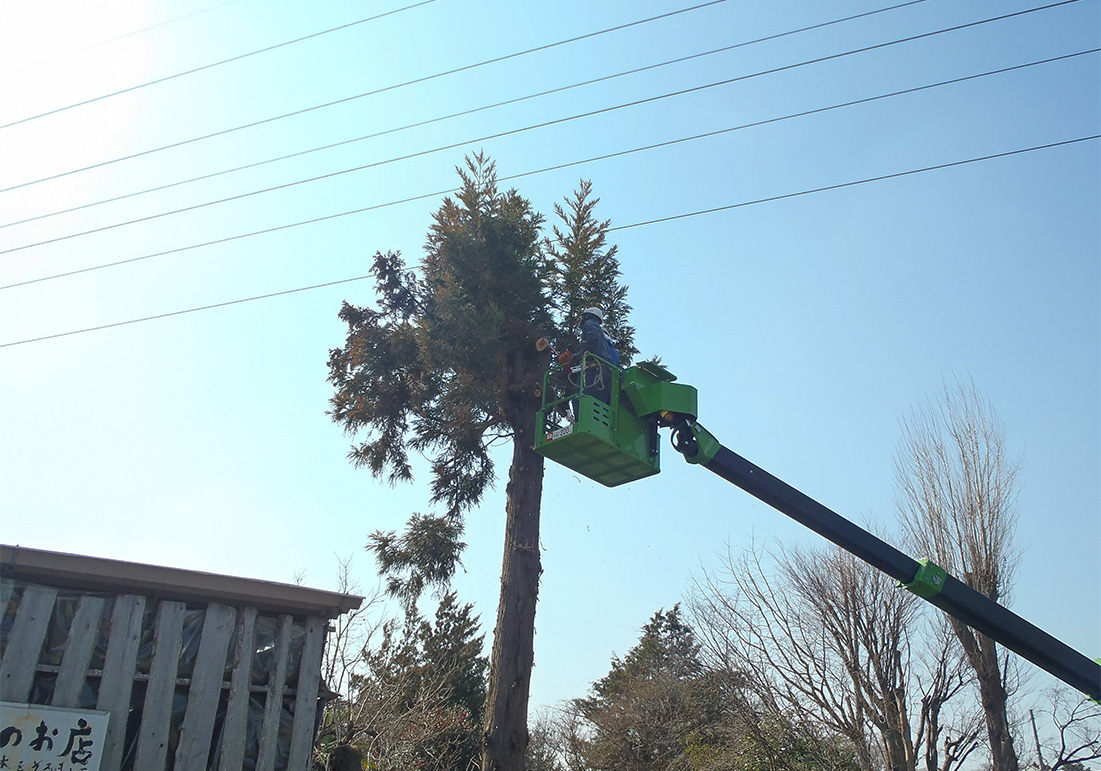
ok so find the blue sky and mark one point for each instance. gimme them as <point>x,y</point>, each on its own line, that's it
<point>811,324</point>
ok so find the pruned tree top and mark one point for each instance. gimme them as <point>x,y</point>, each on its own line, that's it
<point>433,368</point>
<point>583,271</point>
<point>444,366</point>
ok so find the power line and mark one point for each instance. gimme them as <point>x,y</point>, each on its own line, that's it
<point>512,132</point>
<point>841,185</point>
<point>189,310</point>
<point>384,89</point>
<point>557,167</point>
<point>132,33</point>
<point>227,239</point>
<point>643,223</point>
<point>463,113</point>
<point>214,64</point>
<point>803,114</point>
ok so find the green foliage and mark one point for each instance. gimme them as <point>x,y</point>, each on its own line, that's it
<point>444,365</point>
<point>667,647</point>
<point>426,555</point>
<point>644,710</point>
<point>453,646</point>
<point>583,271</point>
<point>663,707</point>
<point>416,699</point>
<point>433,369</point>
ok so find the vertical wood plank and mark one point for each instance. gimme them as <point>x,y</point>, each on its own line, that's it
<point>25,639</point>
<point>156,716</point>
<point>273,707</point>
<point>117,682</point>
<point>305,707</point>
<point>78,652</point>
<point>7,586</point>
<point>206,688</point>
<point>235,732</point>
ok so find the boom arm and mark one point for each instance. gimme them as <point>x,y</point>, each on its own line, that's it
<point>923,578</point>
<point>616,442</point>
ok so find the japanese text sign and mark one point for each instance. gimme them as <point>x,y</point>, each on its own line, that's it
<point>34,736</point>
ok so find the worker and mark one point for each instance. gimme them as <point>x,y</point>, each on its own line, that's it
<point>594,373</point>
<point>594,340</point>
<point>593,337</point>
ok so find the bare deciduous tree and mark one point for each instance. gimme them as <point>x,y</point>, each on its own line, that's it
<point>546,745</point>
<point>949,737</point>
<point>1076,724</point>
<point>403,691</point>
<point>830,639</point>
<point>350,636</point>
<point>566,732</point>
<point>956,488</point>
<point>396,715</point>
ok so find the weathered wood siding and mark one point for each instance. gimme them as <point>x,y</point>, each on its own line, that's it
<point>190,687</point>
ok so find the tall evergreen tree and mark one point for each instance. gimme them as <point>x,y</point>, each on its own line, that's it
<point>453,645</point>
<point>665,707</point>
<point>653,702</point>
<point>446,365</point>
<point>667,647</point>
<point>416,698</point>
<point>583,271</point>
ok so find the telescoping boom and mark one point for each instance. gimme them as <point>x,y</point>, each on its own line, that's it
<point>616,441</point>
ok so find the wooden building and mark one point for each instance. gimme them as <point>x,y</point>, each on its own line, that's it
<point>195,672</point>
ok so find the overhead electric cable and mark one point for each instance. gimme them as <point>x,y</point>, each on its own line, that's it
<point>790,116</point>
<point>462,113</point>
<point>132,33</point>
<point>425,196</point>
<point>188,310</point>
<point>214,64</point>
<point>368,93</point>
<point>498,135</point>
<point>227,239</point>
<point>841,185</point>
<point>643,223</point>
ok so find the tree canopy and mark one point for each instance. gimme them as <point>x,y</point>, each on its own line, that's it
<point>957,493</point>
<point>414,699</point>
<point>445,366</point>
<point>665,705</point>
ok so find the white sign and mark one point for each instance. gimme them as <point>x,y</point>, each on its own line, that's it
<point>50,738</point>
<point>566,431</point>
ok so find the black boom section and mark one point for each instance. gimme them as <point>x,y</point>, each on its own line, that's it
<point>954,597</point>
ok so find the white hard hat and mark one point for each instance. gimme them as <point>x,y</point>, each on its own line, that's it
<point>593,312</point>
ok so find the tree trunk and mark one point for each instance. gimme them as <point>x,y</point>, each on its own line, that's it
<point>982,653</point>
<point>505,732</point>
<point>346,758</point>
<point>1036,738</point>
